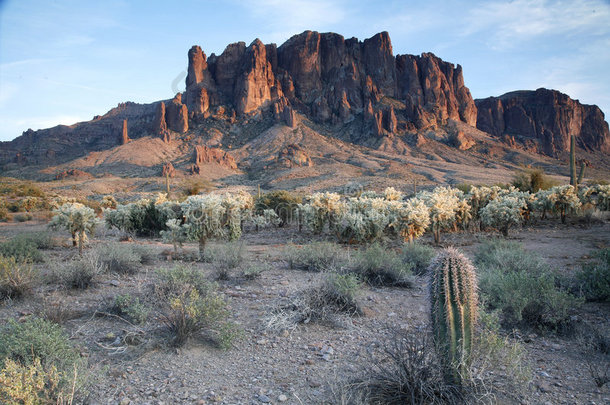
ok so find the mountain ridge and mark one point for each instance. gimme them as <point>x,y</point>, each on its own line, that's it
<point>356,91</point>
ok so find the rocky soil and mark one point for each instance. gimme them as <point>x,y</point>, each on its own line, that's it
<point>305,365</point>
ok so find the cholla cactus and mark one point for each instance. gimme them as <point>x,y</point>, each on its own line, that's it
<point>108,201</point>
<point>443,204</point>
<point>175,233</point>
<point>454,306</point>
<point>203,218</point>
<point>391,194</point>
<point>78,219</point>
<point>411,219</point>
<point>503,212</point>
<point>323,208</point>
<point>563,199</point>
<point>597,195</point>
<point>357,226</point>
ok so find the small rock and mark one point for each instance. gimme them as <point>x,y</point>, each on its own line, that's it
<point>114,283</point>
<point>125,401</point>
<point>282,398</point>
<point>264,399</point>
<point>262,342</point>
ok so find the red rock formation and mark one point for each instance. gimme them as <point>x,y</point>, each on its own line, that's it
<point>73,174</point>
<point>168,170</point>
<point>176,115</point>
<point>160,124</point>
<point>461,141</point>
<point>124,138</point>
<point>330,79</point>
<point>433,90</point>
<point>203,154</point>
<point>547,117</point>
<point>293,155</point>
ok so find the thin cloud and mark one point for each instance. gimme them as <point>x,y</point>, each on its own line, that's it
<point>284,18</point>
<point>507,24</point>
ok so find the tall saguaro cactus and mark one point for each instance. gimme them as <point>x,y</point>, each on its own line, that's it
<point>454,304</point>
<point>573,179</point>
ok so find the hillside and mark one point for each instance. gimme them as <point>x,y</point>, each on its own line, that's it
<point>320,111</point>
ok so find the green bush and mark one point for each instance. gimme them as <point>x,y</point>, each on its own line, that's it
<point>252,270</point>
<point>522,286</point>
<point>119,258</point>
<point>335,294</point>
<point>80,272</point>
<point>42,239</point>
<point>283,202</point>
<point>16,278</point>
<point>226,256</point>
<point>3,211</point>
<point>131,307</point>
<point>192,305</point>
<point>533,180</point>
<point>316,256</point>
<point>23,217</point>
<point>418,257</point>
<point>21,249</point>
<point>380,266</point>
<point>38,350</point>
<point>593,280</point>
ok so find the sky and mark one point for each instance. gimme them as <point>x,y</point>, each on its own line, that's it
<point>65,61</point>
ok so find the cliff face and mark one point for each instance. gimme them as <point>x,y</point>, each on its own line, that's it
<point>546,117</point>
<point>330,79</point>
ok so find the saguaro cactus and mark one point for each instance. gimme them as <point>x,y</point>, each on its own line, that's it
<point>453,301</point>
<point>573,180</point>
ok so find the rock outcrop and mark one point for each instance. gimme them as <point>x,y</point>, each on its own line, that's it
<point>124,138</point>
<point>331,80</point>
<point>74,174</point>
<point>544,120</point>
<point>293,155</point>
<point>176,115</point>
<point>204,154</point>
<point>168,170</point>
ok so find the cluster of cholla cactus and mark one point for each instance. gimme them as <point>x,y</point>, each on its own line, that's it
<point>77,219</point>
<point>454,306</point>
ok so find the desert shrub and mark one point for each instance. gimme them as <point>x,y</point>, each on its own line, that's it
<point>522,286</point>
<point>23,217</point>
<point>131,307</point>
<point>22,249</point>
<point>335,295</point>
<point>38,363</point>
<point>498,358</point>
<point>252,270</point>
<point>146,254</point>
<point>79,272</point>
<point>226,256</point>
<point>316,256</point>
<point>195,187</point>
<point>532,180</point>
<point>16,278</point>
<point>593,280</point>
<point>418,257</point>
<point>3,211</point>
<point>192,305</point>
<point>42,240</point>
<point>282,202</point>
<point>177,278</point>
<point>119,258</point>
<point>380,266</point>
<point>406,372</point>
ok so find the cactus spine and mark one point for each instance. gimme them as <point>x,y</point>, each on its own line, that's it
<point>454,304</point>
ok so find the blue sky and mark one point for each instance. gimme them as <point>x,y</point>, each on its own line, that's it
<point>65,61</point>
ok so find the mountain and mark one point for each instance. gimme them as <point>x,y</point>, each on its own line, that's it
<point>543,120</point>
<point>317,105</point>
